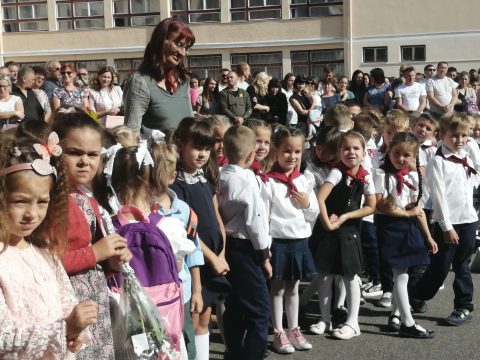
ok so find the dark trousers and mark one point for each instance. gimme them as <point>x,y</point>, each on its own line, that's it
<point>457,256</point>
<point>370,251</point>
<point>247,306</point>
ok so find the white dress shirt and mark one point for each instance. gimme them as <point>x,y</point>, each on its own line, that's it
<point>335,175</point>
<point>407,195</point>
<point>424,157</point>
<point>451,191</point>
<point>241,208</point>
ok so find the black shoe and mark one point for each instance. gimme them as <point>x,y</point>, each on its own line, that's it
<point>394,323</point>
<point>415,333</point>
<point>418,306</point>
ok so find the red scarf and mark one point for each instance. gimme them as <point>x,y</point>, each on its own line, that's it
<point>221,161</point>
<point>279,174</point>
<point>470,170</point>
<point>171,80</point>
<point>256,168</point>
<point>358,178</point>
<point>399,175</point>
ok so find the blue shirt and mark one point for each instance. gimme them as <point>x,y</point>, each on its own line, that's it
<point>180,210</point>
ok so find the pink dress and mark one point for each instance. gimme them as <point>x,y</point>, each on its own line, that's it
<point>35,297</point>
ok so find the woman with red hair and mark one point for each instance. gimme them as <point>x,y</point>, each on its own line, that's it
<point>157,96</point>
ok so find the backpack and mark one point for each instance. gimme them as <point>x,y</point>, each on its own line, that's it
<point>155,266</point>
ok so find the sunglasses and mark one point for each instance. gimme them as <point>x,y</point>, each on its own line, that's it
<point>431,69</point>
<point>66,73</point>
<point>224,75</point>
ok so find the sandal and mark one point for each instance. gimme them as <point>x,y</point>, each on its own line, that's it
<point>320,328</point>
<point>394,323</point>
<point>346,332</point>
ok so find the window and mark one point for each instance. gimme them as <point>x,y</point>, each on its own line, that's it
<point>126,67</point>
<point>271,63</point>
<point>375,54</point>
<point>136,13</point>
<point>312,63</point>
<point>24,15</point>
<point>83,14</point>
<point>203,66</point>
<point>413,53</point>
<point>196,11</point>
<point>243,10</point>
<point>309,8</point>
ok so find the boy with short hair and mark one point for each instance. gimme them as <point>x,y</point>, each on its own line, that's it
<point>339,117</point>
<point>247,307</point>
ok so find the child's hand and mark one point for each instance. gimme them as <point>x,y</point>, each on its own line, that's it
<point>340,220</point>
<point>111,245</point>
<point>115,262</point>
<point>414,212</point>
<point>82,315</point>
<point>74,345</point>
<point>196,302</point>
<point>267,268</point>
<point>220,266</point>
<point>301,199</point>
<point>432,245</point>
<point>451,237</point>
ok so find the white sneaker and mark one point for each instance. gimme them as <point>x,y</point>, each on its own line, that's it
<point>371,291</point>
<point>320,328</point>
<point>281,344</point>
<point>297,340</point>
<point>386,300</point>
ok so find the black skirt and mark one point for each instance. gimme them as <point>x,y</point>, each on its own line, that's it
<point>292,260</point>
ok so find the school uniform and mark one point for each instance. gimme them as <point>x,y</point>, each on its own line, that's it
<point>451,189</point>
<point>247,307</point>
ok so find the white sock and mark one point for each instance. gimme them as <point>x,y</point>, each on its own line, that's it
<point>353,300</point>
<point>277,289</point>
<point>340,292</point>
<point>309,291</point>
<point>291,303</point>
<point>325,296</point>
<point>400,282</point>
<point>202,346</point>
<point>183,349</point>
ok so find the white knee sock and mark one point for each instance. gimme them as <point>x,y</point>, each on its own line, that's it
<point>325,296</point>
<point>340,292</point>
<point>353,300</point>
<point>202,346</point>
<point>400,282</point>
<point>277,290</point>
<point>291,303</point>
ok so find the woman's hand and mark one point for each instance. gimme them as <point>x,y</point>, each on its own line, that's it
<point>114,111</point>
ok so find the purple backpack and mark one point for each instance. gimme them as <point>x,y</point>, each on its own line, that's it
<point>154,264</point>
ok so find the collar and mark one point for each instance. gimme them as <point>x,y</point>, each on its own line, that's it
<point>174,207</point>
<point>189,178</point>
<point>447,153</point>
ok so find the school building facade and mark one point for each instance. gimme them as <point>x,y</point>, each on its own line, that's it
<point>277,36</point>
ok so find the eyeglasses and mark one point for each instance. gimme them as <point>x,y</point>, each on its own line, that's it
<point>66,73</point>
<point>431,69</point>
<point>180,45</point>
<point>224,75</point>
<point>310,83</point>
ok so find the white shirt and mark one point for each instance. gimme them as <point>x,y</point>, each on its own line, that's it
<point>451,191</point>
<point>442,91</point>
<point>316,175</point>
<point>410,95</point>
<point>335,176</point>
<point>242,84</point>
<point>287,219</point>
<point>424,157</point>
<point>406,197</point>
<point>240,206</point>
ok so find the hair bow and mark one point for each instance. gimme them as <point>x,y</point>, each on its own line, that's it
<point>51,148</point>
<point>157,136</point>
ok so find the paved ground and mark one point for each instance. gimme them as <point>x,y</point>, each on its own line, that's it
<point>456,343</point>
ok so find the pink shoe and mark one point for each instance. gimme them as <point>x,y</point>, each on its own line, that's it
<point>281,344</point>
<point>297,340</point>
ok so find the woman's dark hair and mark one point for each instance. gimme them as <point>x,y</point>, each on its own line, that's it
<point>103,70</point>
<point>285,80</point>
<point>377,75</point>
<point>354,75</point>
<point>207,95</point>
<point>300,79</point>
<point>154,57</point>
<point>199,133</point>
<point>274,83</point>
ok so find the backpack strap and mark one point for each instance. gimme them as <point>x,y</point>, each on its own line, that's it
<point>129,209</point>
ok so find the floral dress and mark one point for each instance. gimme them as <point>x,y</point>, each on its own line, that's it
<point>70,98</point>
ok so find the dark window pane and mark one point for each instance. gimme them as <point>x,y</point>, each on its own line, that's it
<point>205,17</point>
<point>238,16</point>
<point>407,54</point>
<point>368,55</point>
<point>420,53</point>
<point>237,4</point>
<point>382,55</point>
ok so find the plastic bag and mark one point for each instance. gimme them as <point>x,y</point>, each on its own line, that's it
<point>144,328</point>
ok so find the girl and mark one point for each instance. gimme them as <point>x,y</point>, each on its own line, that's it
<point>401,242</point>
<point>206,102</point>
<point>195,140</point>
<point>339,249</point>
<point>88,252</point>
<point>263,132</point>
<point>220,124</point>
<point>293,210</point>
<point>32,232</point>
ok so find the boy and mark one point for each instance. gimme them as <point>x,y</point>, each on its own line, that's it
<point>338,116</point>
<point>247,307</point>
<point>450,179</point>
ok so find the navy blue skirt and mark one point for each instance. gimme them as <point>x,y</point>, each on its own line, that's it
<point>400,242</point>
<point>292,260</point>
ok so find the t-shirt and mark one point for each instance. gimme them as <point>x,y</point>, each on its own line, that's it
<point>376,96</point>
<point>410,95</point>
<point>442,91</point>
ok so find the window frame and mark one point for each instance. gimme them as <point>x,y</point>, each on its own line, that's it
<point>413,47</point>
<point>256,67</point>
<point>73,19</point>
<point>131,16</point>
<point>205,71</point>
<point>248,9</point>
<point>185,15</point>
<point>18,21</point>
<point>375,48</point>
<point>309,63</point>
<point>309,5</point>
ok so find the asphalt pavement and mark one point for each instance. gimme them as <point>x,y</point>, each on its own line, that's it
<point>376,342</point>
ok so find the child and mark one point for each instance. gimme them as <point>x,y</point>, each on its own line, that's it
<point>195,140</point>
<point>247,250</point>
<point>339,248</point>
<point>40,315</point>
<point>220,124</point>
<point>339,117</point>
<point>293,211</point>
<point>476,128</point>
<point>263,133</point>
<point>398,222</point>
<point>450,176</point>
<point>166,203</point>
<point>88,253</point>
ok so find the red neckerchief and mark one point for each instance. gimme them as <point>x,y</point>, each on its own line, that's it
<point>358,178</point>
<point>256,168</point>
<point>470,170</point>
<point>171,81</point>
<point>279,174</point>
<point>222,160</point>
<point>399,175</point>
